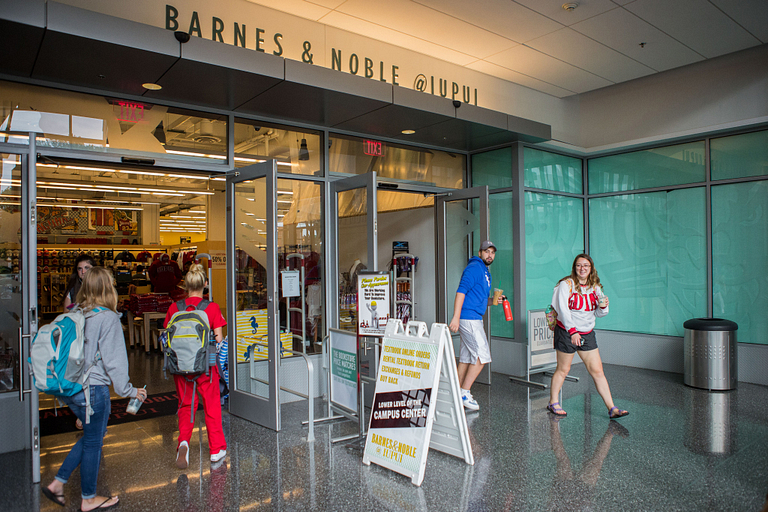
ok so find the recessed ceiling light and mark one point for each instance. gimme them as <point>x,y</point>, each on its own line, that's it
<point>570,6</point>
<point>408,132</point>
<point>152,87</point>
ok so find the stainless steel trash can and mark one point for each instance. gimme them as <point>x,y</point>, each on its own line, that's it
<point>710,354</point>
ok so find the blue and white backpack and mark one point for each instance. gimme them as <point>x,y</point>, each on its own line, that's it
<point>57,357</point>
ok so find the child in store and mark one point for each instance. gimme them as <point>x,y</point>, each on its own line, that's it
<point>207,386</point>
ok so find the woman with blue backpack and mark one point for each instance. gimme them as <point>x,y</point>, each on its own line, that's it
<point>107,361</point>
<point>191,382</point>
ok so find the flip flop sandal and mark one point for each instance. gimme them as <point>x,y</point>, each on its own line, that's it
<point>102,507</point>
<point>617,414</point>
<point>56,498</point>
<point>556,409</point>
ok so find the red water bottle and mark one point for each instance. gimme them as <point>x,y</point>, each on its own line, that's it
<point>507,310</point>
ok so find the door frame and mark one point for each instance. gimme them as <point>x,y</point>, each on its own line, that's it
<point>265,412</point>
<point>369,182</point>
<point>28,322</point>
<point>441,249</point>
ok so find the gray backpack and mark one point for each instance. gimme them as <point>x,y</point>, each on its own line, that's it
<point>189,345</point>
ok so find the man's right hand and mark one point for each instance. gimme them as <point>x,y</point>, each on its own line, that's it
<point>454,325</point>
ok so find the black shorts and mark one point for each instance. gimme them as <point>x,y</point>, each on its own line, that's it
<point>563,341</point>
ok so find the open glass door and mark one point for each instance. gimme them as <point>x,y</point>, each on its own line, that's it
<point>19,419</point>
<point>252,306</point>
<point>461,225</point>
<point>354,225</point>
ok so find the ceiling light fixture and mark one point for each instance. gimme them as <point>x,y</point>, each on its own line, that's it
<point>408,132</point>
<point>570,6</point>
<point>151,87</point>
<point>303,151</point>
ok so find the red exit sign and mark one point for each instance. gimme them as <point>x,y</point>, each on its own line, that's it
<point>130,112</point>
<point>373,148</point>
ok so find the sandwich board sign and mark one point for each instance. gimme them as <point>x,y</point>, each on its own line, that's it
<point>417,402</point>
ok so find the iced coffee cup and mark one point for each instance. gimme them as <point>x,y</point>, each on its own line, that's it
<point>497,296</point>
<point>602,301</point>
<point>134,404</point>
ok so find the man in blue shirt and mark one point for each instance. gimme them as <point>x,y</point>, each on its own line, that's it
<point>472,299</point>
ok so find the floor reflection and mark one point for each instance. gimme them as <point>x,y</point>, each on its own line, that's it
<point>688,450</point>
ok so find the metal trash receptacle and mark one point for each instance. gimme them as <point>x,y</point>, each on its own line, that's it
<point>710,354</point>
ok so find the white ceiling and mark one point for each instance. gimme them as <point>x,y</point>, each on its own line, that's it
<point>538,44</point>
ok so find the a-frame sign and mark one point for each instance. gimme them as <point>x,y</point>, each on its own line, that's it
<point>417,404</point>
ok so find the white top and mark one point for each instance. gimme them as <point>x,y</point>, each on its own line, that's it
<point>577,307</point>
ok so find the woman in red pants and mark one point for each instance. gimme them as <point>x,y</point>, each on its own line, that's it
<point>207,386</point>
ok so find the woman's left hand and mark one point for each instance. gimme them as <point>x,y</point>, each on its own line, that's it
<point>141,394</point>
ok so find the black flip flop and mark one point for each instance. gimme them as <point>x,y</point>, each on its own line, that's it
<point>56,498</point>
<point>102,507</point>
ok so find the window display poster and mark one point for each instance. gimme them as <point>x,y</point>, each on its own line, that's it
<point>373,303</point>
<point>343,349</point>
<point>291,284</point>
<point>252,329</point>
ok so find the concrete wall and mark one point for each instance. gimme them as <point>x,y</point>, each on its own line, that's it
<point>717,94</point>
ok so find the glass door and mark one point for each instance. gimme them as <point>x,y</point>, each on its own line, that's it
<point>353,205</point>
<point>355,232</point>
<point>252,289</point>
<point>461,219</point>
<point>19,420</point>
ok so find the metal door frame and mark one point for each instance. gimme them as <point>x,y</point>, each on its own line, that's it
<point>265,412</point>
<point>29,315</point>
<point>369,182</point>
<point>443,294</point>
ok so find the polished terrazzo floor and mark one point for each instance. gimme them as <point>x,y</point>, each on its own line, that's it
<point>679,449</point>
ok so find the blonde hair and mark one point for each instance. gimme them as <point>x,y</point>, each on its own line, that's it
<point>195,279</point>
<point>97,290</point>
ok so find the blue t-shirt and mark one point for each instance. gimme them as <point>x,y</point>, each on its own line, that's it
<point>475,284</point>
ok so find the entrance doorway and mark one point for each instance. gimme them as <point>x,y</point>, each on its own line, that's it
<point>441,230</point>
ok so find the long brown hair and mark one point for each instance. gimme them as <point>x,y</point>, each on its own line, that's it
<point>592,279</point>
<point>97,290</point>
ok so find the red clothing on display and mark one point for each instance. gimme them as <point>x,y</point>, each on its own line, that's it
<point>164,276</point>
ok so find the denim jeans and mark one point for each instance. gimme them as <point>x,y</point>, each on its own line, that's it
<point>87,451</point>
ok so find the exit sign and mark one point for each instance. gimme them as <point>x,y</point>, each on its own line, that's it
<point>373,148</point>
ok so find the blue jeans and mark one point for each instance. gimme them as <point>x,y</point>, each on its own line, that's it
<point>87,451</point>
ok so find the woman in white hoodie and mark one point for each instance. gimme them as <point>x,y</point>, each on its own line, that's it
<point>578,300</point>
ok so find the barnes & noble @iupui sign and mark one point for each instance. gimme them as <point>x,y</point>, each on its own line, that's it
<point>237,33</point>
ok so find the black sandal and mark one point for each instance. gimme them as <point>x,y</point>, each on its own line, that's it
<point>56,498</point>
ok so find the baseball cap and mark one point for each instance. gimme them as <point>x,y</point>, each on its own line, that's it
<point>485,245</point>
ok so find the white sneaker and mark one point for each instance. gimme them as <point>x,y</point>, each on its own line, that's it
<point>182,455</point>
<point>216,457</point>
<point>469,402</point>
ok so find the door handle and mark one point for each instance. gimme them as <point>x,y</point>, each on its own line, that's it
<point>22,391</point>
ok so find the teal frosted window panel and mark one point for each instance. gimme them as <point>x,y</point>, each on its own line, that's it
<point>551,171</point>
<point>500,211</point>
<point>739,156</point>
<point>554,235</point>
<point>493,169</point>
<point>740,258</point>
<point>659,167</point>
<point>650,253</point>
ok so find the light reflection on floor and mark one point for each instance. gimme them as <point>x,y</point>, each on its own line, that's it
<point>679,449</point>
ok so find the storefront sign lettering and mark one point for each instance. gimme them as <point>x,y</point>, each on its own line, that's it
<point>240,35</point>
